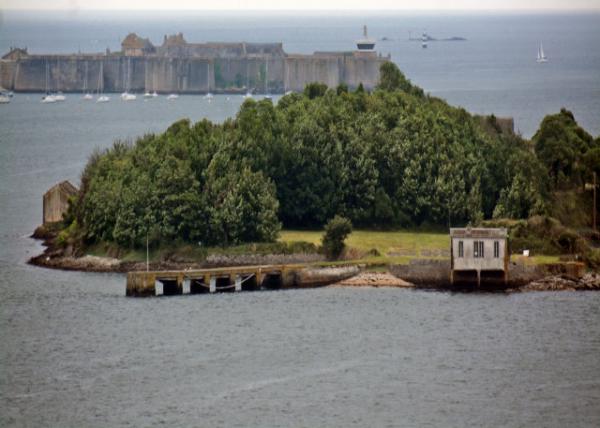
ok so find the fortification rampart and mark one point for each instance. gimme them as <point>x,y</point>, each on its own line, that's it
<point>252,67</point>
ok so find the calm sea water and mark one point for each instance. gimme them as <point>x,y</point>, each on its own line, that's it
<point>75,352</point>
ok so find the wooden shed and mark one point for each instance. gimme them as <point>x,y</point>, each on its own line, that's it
<point>56,201</point>
<point>477,252</point>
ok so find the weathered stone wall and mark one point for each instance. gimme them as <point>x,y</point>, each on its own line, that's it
<point>55,204</point>
<point>113,73</point>
<point>7,73</point>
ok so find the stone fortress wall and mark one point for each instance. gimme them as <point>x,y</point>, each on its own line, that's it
<point>178,66</point>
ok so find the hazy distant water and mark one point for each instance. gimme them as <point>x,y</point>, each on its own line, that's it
<point>493,72</point>
<point>75,352</point>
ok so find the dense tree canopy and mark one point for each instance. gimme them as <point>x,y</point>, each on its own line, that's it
<point>394,157</point>
<point>567,150</point>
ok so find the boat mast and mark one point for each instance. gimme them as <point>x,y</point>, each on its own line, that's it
<point>85,80</point>
<point>128,74</point>
<point>47,76</point>
<point>267,75</point>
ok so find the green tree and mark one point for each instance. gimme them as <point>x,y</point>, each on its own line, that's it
<point>336,231</point>
<point>561,144</point>
<point>315,89</point>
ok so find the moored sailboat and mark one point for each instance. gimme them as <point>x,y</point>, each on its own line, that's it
<point>87,95</point>
<point>48,98</point>
<point>208,95</point>
<point>101,97</point>
<point>541,56</point>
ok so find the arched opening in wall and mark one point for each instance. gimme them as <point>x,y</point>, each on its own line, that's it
<point>225,285</point>
<point>249,283</point>
<point>198,286</point>
<point>171,287</point>
<point>273,281</point>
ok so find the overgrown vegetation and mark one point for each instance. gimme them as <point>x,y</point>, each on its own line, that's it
<point>393,158</point>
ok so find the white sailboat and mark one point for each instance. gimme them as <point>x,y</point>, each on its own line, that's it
<point>101,97</point>
<point>541,57</point>
<point>208,95</point>
<point>4,98</point>
<point>147,94</point>
<point>87,95</point>
<point>48,98</point>
<point>59,95</point>
<point>126,96</point>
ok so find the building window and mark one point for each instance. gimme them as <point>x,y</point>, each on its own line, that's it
<point>461,249</point>
<point>496,249</point>
<point>478,249</point>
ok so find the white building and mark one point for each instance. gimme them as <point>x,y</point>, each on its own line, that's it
<point>477,252</point>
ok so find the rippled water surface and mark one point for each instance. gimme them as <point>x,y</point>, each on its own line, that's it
<point>75,352</point>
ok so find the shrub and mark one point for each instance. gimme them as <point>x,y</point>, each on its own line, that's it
<point>336,231</point>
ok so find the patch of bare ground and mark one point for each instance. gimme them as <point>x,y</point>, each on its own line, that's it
<point>373,279</point>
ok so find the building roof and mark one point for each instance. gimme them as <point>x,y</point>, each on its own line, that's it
<point>63,186</point>
<point>174,40</point>
<point>16,53</point>
<point>479,232</point>
<point>133,41</point>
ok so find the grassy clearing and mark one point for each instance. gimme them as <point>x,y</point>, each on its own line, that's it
<point>392,243</point>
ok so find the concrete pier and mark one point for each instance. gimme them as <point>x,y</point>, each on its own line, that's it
<point>234,279</point>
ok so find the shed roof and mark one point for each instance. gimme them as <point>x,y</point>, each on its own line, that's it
<point>63,186</point>
<point>479,232</point>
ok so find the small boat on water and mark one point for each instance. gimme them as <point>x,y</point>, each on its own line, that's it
<point>541,56</point>
<point>172,96</point>
<point>59,96</point>
<point>88,97</point>
<point>148,95</point>
<point>126,96</point>
<point>49,99</point>
<point>154,94</point>
<point>103,99</point>
<point>248,95</point>
<point>208,96</point>
<point>424,40</point>
<point>4,98</point>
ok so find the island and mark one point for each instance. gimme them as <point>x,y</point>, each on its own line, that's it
<point>396,165</point>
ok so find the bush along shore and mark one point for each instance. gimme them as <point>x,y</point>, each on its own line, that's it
<point>396,158</point>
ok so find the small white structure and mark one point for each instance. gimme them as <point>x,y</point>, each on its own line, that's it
<point>479,250</point>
